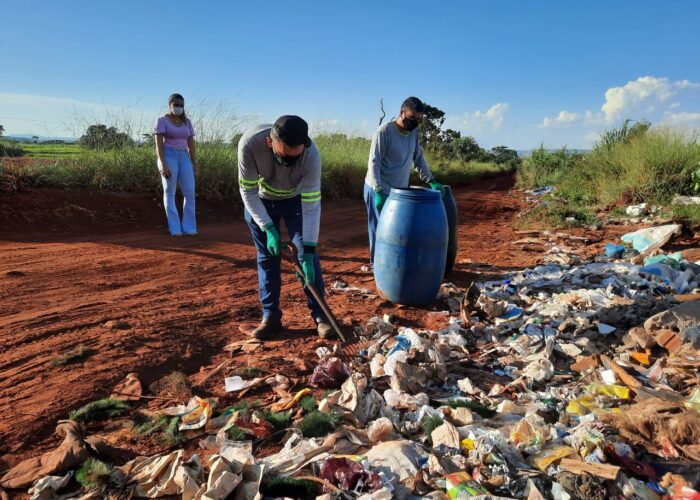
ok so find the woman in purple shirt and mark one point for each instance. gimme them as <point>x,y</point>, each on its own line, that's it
<point>176,159</point>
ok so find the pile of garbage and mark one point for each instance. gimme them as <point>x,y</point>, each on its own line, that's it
<point>562,381</point>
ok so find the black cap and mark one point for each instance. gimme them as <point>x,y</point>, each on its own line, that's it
<point>292,130</point>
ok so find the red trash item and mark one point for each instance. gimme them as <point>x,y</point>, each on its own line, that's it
<point>330,375</point>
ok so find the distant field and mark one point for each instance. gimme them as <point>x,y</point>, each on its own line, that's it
<point>51,150</point>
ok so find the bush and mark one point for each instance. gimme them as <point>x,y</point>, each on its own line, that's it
<point>10,149</point>
<point>543,167</point>
<point>651,166</point>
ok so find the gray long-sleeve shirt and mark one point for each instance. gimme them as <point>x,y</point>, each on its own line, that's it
<point>391,156</point>
<point>260,176</point>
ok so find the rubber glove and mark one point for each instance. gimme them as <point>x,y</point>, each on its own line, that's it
<point>379,199</point>
<point>436,186</point>
<point>307,265</point>
<point>273,239</point>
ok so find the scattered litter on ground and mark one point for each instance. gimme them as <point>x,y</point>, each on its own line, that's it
<point>577,378</point>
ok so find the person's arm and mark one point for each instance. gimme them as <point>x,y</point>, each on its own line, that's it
<point>420,164</point>
<point>248,182</point>
<point>193,152</point>
<point>310,190</point>
<point>374,165</point>
<point>159,132</point>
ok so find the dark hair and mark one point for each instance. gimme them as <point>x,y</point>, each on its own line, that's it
<point>179,97</point>
<point>414,104</point>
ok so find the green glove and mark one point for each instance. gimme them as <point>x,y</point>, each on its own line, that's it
<point>379,199</point>
<point>307,265</point>
<point>273,239</point>
<point>436,186</point>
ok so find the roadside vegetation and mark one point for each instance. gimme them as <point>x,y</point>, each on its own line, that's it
<point>106,158</point>
<point>633,164</point>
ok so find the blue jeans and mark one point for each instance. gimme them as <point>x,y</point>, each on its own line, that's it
<point>269,278</point>
<point>181,174</point>
<point>372,220</point>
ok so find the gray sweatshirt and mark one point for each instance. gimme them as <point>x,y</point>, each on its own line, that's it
<point>260,176</point>
<point>391,156</point>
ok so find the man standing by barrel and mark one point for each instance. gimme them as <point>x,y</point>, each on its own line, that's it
<point>279,172</point>
<point>395,148</point>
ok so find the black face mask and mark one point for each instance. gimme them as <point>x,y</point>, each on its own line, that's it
<point>410,123</point>
<point>286,161</point>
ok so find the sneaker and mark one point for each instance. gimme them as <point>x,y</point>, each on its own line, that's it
<point>324,329</point>
<point>175,234</point>
<point>268,329</point>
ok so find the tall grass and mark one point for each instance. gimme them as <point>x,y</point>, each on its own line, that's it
<point>628,165</point>
<point>650,167</point>
<point>134,168</point>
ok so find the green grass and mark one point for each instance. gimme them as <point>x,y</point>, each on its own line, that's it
<point>102,409</point>
<point>623,168</point>
<point>318,424</point>
<point>52,151</point>
<point>308,403</point>
<point>134,169</point>
<point>80,353</point>
<point>279,420</point>
<point>689,214</point>
<point>94,474</point>
<point>431,423</point>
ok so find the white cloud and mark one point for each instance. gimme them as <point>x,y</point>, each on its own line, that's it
<point>646,94</point>
<point>478,121</point>
<point>563,118</point>
<point>683,118</point>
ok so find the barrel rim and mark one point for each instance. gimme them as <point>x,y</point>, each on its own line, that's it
<point>417,193</point>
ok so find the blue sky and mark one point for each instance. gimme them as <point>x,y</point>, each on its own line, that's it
<point>507,72</point>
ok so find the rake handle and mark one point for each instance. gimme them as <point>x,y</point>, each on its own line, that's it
<point>289,252</point>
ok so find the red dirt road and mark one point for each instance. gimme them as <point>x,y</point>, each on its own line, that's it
<point>68,269</point>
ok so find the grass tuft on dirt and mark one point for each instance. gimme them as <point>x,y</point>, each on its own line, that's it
<point>279,420</point>
<point>94,474</point>
<point>76,355</point>
<point>102,409</point>
<point>318,424</point>
<point>431,423</point>
<point>308,403</point>
<point>174,385</point>
<point>478,408</point>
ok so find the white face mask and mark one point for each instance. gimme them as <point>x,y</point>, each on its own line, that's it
<point>177,111</point>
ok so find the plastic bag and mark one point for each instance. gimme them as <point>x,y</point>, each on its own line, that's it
<point>348,475</point>
<point>330,374</point>
<point>651,238</point>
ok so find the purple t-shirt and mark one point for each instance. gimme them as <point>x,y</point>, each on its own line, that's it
<point>175,136</point>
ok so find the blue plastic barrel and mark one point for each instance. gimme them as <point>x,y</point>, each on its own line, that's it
<point>411,246</point>
<point>452,225</point>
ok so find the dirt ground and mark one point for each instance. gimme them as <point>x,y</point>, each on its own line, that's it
<point>71,262</point>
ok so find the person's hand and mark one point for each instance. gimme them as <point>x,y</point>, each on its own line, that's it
<point>437,186</point>
<point>273,239</point>
<point>165,171</point>
<point>379,199</point>
<point>307,265</point>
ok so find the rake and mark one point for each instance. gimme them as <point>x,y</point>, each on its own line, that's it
<point>350,347</point>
